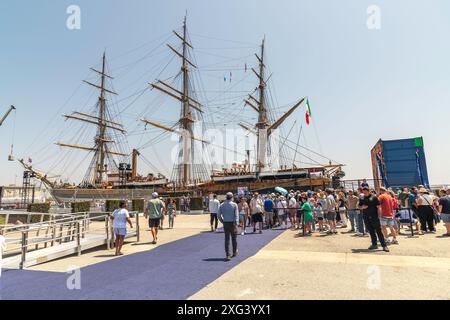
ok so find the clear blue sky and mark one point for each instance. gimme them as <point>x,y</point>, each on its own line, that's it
<point>363,84</point>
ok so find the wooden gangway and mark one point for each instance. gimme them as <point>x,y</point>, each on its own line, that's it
<point>57,236</point>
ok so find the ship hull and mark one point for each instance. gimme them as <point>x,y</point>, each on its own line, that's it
<point>70,195</point>
<point>263,186</point>
<point>219,187</point>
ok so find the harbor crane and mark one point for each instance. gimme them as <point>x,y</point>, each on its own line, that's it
<point>6,115</point>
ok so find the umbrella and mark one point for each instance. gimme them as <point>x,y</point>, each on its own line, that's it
<point>283,191</point>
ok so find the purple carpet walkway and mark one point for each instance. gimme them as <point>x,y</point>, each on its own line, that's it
<point>175,270</point>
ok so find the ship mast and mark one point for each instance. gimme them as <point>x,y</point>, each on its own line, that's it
<point>262,115</point>
<point>263,127</point>
<point>101,149</point>
<point>101,139</point>
<point>187,105</point>
<point>186,119</point>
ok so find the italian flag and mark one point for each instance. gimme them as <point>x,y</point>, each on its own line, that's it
<point>308,112</point>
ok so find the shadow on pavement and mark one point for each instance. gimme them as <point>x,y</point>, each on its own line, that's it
<point>366,250</point>
<point>215,260</point>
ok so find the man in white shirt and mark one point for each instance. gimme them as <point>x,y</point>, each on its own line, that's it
<point>214,205</point>
<point>256,210</point>
<point>292,210</point>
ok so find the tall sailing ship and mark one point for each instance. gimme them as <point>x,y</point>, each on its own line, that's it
<point>113,171</point>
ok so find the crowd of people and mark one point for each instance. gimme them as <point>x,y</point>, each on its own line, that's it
<point>363,211</point>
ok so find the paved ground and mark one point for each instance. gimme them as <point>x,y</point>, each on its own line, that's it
<point>188,263</point>
<point>339,267</point>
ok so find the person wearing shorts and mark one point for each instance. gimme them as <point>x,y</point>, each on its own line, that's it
<point>444,210</point>
<point>318,214</point>
<point>154,223</point>
<point>120,218</point>
<point>155,209</point>
<point>256,209</point>
<point>387,215</point>
<point>257,217</point>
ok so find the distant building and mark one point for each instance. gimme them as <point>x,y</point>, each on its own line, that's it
<point>12,195</point>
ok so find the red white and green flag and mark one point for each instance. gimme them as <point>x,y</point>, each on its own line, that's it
<point>308,112</point>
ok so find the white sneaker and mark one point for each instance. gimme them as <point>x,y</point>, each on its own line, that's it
<point>243,233</point>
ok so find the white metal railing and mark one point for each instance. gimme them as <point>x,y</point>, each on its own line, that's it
<point>66,228</point>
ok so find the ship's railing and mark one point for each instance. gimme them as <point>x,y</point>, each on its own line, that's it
<point>356,183</point>
<point>70,228</point>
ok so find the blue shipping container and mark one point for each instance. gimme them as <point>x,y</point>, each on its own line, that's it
<point>399,163</point>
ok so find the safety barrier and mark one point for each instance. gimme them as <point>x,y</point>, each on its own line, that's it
<point>61,235</point>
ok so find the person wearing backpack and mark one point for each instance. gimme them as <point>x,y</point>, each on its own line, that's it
<point>154,211</point>
<point>425,209</point>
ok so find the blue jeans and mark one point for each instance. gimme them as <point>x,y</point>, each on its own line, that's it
<point>360,222</point>
<point>352,216</point>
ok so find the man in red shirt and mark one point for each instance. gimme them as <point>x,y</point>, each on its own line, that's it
<point>386,213</point>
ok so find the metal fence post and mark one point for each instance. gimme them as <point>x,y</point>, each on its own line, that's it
<point>138,232</point>
<point>85,217</point>
<point>410,222</point>
<point>111,231</point>
<point>61,226</point>
<point>108,243</point>
<point>24,248</point>
<point>78,238</point>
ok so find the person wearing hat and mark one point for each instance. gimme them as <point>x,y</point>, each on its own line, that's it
<point>425,210</point>
<point>256,210</point>
<point>369,203</point>
<point>229,217</point>
<point>154,211</point>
